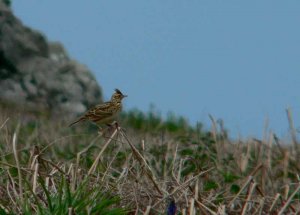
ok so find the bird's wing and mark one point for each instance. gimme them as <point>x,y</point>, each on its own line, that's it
<point>102,110</point>
<point>97,113</point>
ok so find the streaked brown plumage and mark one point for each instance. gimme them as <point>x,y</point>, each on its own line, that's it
<point>106,112</point>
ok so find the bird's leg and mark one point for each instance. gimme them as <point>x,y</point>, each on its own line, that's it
<point>100,131</point>
<point>117,125</point>
<point>109,129</point>
<point>114,123</point>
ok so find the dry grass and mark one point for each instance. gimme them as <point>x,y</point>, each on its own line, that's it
<point>48,168</point>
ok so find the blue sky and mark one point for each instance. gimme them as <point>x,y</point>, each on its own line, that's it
<point>235,60</point>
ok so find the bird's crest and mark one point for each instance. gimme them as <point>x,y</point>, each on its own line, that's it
<point>118,91</point>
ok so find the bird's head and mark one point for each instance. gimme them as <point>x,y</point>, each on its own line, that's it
<point>117,96</point>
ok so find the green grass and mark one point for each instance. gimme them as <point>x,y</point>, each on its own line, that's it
<point>49,168</point>
<point>152,122</point>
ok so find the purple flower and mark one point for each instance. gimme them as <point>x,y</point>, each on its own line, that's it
<point>172,208</point>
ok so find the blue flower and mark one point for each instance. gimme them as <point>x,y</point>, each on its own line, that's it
<point>172,208</point>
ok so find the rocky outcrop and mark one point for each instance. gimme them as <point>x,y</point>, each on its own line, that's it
<point>38,73</point>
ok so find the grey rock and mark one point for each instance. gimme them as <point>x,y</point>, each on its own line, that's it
<point>39,73</point>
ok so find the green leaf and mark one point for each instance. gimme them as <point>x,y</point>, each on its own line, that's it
<point>229,177</point>
<point>235,188</point>
<point>209,185</point>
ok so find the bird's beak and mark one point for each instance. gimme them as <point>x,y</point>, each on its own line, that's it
<point>125,96</point>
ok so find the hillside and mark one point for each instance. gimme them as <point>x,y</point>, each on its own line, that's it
<point>39,73</point>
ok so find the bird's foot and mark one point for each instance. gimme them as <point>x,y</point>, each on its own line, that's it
<point>114,124</point>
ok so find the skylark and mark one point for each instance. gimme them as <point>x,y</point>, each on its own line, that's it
<point>106,112</point>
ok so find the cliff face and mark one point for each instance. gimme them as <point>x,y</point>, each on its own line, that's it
<point>38,73</point>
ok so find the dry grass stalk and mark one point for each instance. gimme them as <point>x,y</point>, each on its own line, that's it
<point>214,130</point>
<point>249,180</point>
<point>35,175</point>
<point>269,153</point>
<point>292,131</point>
<point>182,186</point>
<point>196,189</point>
<point>192,210</point>
<point>206,208</point>
<point>286,191</point>
<point>174,160</point>
<point>221,210</point>
<point>180,170</point>
<point>3,124</point>
<point>277,196</point>
<point>218,147</point>
<point>143,163</point>
<point>70,211</point>
<point>289,200</point>
<point>18,164</point>
<point>286,160</point>
<point>251,190</point>
<point>147,211</point>
<point>244,159</point>
<point>15,205</point>
<point>93,167</point>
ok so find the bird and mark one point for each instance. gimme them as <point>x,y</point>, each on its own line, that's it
<point>104,113</point>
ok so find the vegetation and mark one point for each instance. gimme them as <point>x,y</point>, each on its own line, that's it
<point>153,122</point>
<point>149,166</point>
<point>7,2</point>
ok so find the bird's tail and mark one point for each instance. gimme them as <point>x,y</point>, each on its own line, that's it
<point>78,120</point>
